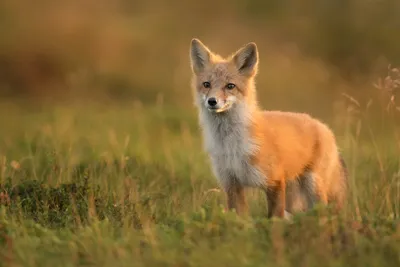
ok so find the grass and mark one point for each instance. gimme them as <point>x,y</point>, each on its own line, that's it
<point>110,185</point>
<point>86,185</point>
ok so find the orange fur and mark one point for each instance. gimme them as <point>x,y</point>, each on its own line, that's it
<point>292,156</point>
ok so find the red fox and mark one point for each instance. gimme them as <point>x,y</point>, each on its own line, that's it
<point>293,157</point>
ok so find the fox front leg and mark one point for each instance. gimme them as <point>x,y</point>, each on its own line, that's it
<point>276,200</point>
<point>236,198</point>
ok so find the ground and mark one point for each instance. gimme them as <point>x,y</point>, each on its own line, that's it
<point>131,186</point>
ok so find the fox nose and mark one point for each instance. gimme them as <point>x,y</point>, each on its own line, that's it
<point>212,101</point>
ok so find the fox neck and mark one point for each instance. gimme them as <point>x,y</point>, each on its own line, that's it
<point>232,125</point>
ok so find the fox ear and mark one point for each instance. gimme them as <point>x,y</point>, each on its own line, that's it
<point>246,59</point>
<point>200,55</point>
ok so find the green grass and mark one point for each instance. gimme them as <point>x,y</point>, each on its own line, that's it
<point>131,186</point>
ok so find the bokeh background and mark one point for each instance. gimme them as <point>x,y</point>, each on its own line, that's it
<point>101,159</point>
<point>122,51</point>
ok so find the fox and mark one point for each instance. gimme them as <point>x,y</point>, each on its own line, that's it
<point>293,157</point>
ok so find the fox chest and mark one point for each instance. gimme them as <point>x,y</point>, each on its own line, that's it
<point>230,158</point>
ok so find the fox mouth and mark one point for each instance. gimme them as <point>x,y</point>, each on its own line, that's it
<point>225,107</point>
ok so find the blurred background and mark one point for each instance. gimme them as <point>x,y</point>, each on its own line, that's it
<point>117,52</point>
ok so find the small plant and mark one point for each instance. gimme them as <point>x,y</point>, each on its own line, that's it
<point>390,87</point>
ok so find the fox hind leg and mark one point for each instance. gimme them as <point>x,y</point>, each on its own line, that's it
<point>295,197</point>
<point>303,193</point>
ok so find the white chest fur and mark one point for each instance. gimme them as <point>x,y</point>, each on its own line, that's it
<point>229,145</point>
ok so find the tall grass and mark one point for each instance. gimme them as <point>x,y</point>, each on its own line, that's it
<point>122,186</point>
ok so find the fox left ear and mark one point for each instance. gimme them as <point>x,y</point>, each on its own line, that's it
<point>200,55</point>
<point>246,59</point>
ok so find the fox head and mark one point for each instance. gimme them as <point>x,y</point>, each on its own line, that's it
<point>222,83</point>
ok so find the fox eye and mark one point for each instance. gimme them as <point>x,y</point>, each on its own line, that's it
<point>230,86</point>
<point>206,85</point>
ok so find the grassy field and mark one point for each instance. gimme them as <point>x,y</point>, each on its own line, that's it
<point>90,185</point>
<point>101,160</point>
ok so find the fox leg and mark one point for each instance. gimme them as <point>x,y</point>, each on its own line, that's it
<point>296,200</point>
<point>314,189</point>
<point>308,188</point>
<point>236,198</point>
<point>276,199</point>
<point>304,192</point>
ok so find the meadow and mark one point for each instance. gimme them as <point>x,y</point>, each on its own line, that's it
<point>101,158</point>
<point>131,186</point>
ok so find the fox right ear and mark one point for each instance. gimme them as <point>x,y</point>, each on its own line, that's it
<point>246,59</point>
<point>199,55</point>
